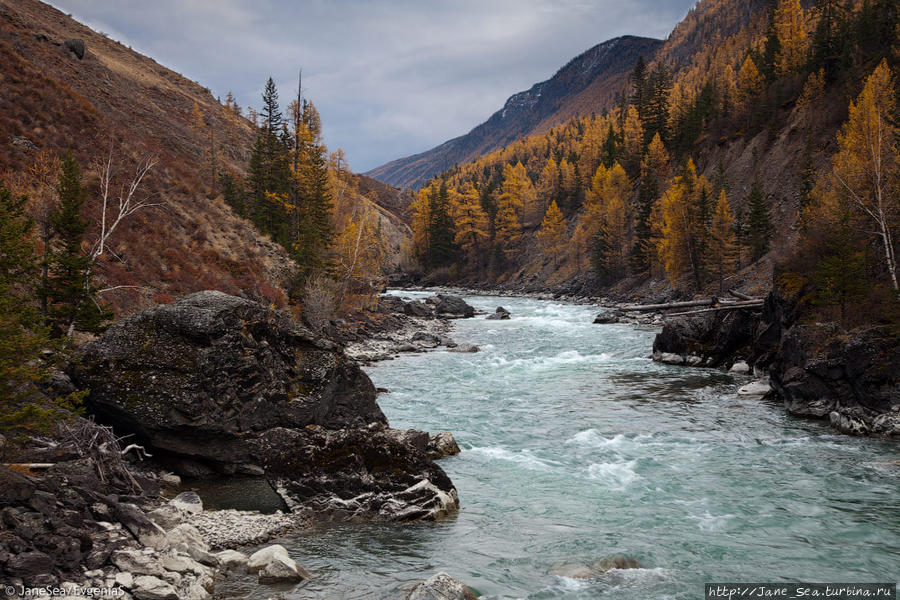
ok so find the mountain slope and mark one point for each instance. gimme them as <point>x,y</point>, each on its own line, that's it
<point>588,83</point>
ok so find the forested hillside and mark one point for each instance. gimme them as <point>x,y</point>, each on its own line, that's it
<point>590,82</point>
<point>761,138</point>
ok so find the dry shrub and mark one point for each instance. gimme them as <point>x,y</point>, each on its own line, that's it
<point>319,300</point>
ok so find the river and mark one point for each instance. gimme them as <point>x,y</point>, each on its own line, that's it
<point>576,446</point>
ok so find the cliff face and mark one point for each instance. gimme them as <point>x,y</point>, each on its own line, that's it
<point>589,82</point>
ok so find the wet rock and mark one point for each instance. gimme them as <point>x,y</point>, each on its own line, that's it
<point>453,307</point>
<point>426,340</point>
<point>609,317</point>
<point>232,560</point>
<point>441,587</point>
<point>760,388</point>
<point>442,444</point>
<point>354,473</point>
<point>76,46</point>
<point>668,358</point>
<point>714,337</point>
<point>501,314</point>
<point>465,348</point>
<point>740,368</point>
<point>281,568</point>
<point>848,424</point>
<point>188,502</point>
<point>196,376</point>
<point>583,571</point>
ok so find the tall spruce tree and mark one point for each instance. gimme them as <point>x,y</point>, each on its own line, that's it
<point>442,249</point>
<point>759,223</point>
<point>21,334</point>
<point>70,289</point>
<point>270,174</point>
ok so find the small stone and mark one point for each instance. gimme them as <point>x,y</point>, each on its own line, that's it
<point>188,501</point>
<point>147,587</point>
<point>740,368</point>
<point>760,387</point>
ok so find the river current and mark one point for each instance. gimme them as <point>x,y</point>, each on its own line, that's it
<point>576,446</point>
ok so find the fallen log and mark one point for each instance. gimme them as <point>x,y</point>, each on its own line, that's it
<point>741,296</point>
<point>29,465</point>
<point>729,306</point>
<point>669,305</point>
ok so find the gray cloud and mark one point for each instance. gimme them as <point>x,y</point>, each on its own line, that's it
<point>390,78</point>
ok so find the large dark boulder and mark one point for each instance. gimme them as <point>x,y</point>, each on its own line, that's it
<point>453,307</point>
<point>851,378</point>
<point>716,337</point>
<point>357,473</point>
<point>214,383</point>
<point>195,377</point>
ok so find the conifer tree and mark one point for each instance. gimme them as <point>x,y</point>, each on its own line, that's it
<point>721,255</point>
<point>654,170</point>
<point>70,290</point>
<point>470,221</point>
<point>21,334</point>
<point>442,247</point>
<point>793,41</point>
<point>552,236</point>
<point>759,223</point>
<point>866,169</point>
<point>684,226</point>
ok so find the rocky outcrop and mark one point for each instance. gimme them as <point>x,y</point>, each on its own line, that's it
<point>224,384</point>
<point>353,473</point>
<point>195,377</point>
<point>711,339</point>
<point>851,378</point>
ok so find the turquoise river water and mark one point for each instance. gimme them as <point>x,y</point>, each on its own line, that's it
<point>576,446</point>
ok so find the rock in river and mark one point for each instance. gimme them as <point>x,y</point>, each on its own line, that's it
<point>194,377</point>
<point>218,382</point>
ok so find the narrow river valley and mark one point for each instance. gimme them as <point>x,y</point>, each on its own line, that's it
<point>576,446</point>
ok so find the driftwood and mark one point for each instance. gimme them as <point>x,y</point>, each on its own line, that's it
<point>714,302</point>
<point>668,305</point>
<point>741,296</point>
<point>729,306</point>
<point>29,465</point>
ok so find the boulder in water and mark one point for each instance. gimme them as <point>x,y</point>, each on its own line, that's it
<point>501,314</point>
<point>453,307</point>
<point>441,587</point>
<point>464,348</point>
<point>582,571</point>
<point>442,444</point>
<point>354,473</point>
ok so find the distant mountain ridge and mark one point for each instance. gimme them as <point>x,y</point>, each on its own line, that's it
<point>588,83</point>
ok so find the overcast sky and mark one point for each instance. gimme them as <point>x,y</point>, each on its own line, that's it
<point>390,78</point>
